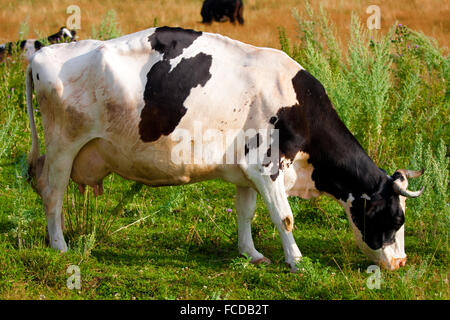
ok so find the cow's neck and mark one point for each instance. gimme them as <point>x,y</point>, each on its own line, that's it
<point>341,166</point>
<point>347,171</point>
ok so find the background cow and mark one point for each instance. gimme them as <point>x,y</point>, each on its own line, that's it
<point>29,47</point>
<point>120,105</point>
<point>219,9</point>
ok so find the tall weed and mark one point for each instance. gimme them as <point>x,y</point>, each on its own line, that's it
<point>109,27</point>
<point>391,90</point>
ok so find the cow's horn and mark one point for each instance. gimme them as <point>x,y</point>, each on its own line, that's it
<point>406,193</point>
<point>411,173</point>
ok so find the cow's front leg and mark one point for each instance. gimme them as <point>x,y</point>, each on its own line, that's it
<point>245,207</point>
<point>274,195</point>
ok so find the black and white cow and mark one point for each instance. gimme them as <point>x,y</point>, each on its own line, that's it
<point>219,10</point>
<point>63,35</point>
<point>136,105</point>
<point>29,47</point>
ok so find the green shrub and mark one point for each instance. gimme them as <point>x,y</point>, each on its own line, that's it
<point>390,90</point>
<point>109,27</point>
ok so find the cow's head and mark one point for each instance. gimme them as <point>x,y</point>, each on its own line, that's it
<point>378,219</point>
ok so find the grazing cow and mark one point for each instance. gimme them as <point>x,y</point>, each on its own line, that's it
<point>219,9</point>
<point>126,106</point>
<point>29,47</point>
<point>63,35</point>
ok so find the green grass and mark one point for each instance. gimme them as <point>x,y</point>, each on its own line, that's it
<point>390,93</point>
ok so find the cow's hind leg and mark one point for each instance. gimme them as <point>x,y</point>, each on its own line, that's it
<point>245,207</point>
<point>275,198</point>
<point>52,185</point>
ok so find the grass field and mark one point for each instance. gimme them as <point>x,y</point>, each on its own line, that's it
<point>262,17</point>
<point>391,88</point>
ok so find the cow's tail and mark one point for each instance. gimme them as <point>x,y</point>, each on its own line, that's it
<point>34,153</point>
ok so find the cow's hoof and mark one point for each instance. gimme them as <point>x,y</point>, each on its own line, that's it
<point>47,237</point>
<point>292,266</point>
<point>262,260</point>
<point>60,246</point>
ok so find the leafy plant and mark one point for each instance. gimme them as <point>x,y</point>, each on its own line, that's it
<point>109,27</point>
<point>390,90</point>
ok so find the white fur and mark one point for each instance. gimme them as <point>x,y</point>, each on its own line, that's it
<point>67,32</point>
<point>365,196</point>
<point>245,207</point>
<point>298,178</point>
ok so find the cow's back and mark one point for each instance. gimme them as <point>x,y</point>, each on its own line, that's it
<point>129,95</point>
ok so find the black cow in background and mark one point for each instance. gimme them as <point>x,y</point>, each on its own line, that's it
<point>219,9</point>
<point>29,47</point>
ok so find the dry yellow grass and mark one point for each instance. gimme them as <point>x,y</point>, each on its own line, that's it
<point>262,17</point>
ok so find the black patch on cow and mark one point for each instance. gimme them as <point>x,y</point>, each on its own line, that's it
<point>172,41</point>
<point>341,166</point>
<point>10,46</point>
<point>57,37</point>
<point>219,10</point>
<point>275,175</point>
<point>165,93</point>
<point>253,143</point>
<point>38,45</point>
<point>273,120</point>
<point>398,175</point>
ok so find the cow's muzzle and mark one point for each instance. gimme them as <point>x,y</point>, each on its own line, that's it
<point>394,263</point>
